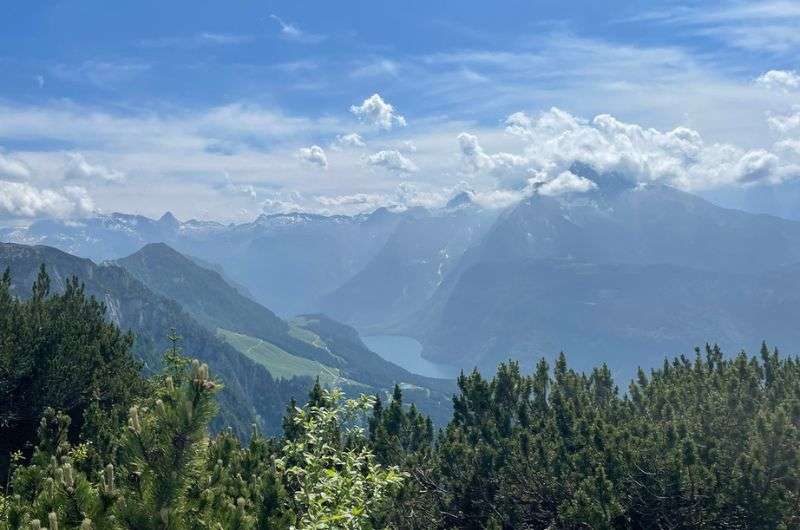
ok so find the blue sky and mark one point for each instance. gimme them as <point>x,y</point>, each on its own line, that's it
<point>224,110</point>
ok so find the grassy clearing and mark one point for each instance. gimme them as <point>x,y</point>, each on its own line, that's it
<point>280,363</point>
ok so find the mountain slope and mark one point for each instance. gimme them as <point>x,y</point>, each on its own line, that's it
<point>611,274</point>
<point>643,225</point>
<point>212,301</point>
<point>421,251</point>
<point>327,346</point>
<point>202,292</point>
<point>251,394</point>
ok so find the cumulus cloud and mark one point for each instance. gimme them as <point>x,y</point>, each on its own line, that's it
<point>566,182</point>
<point>18,199</point>
<point>13,168</point>
<point>314,155</point>
<point>787,122</point>
<point>511,170</point>
<point>779,79</point>
<point>78,168</point>
<point>680,157</point>
<point>349,140</point>
<point>392,160</point>
<point>375,111</point>
<point>293,33</point>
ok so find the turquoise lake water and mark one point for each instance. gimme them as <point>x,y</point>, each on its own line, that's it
<point>407,353</point>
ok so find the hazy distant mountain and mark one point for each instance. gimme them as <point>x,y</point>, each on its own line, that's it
<point>250,394</point>
<point>624,314</point>
<point>107,236</point>
<point>615,275</point>
<point>650,224</point>
<point>289,261</point>
<point>423,248</point>
<point>610,274</point>
<point>285,261</point>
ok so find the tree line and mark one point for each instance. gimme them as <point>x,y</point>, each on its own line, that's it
<point>707,441</point>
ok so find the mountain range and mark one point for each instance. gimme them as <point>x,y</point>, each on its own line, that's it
<point>157,289</point>
<point>626,273</point>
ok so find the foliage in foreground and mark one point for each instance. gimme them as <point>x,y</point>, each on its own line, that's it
<point>170,475</point>
<point>60,351</point>
<point>708,442</point>
<point>703,443</point>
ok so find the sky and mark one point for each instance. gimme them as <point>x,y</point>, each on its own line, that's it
<point>227,110</point>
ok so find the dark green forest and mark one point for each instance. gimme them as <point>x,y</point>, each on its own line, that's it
<point>89,440</point>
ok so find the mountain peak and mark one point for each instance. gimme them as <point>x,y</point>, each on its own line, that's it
<point>169,219</point>
<point>606,182</point>
<point>158,250</point>
<point>460,200</point>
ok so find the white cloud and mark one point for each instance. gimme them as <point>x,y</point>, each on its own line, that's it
<point>791,145</point>
<point>270,206</point>
<point>234,188</point>
<point>779,79</point>
<point>362,201</point>
<point>392,160</point>
<point>680,157</point>
<point>408,195</point>
<point>349,140</point>
<point>293,33</point>
<point>760,25</point>
<point>566,182</point>
<point>13,168</point>
<point>472,152</point>
<point>787,122</point>
<point>405,195</point>
<point>494,199</point>
<point>224,38</point>
<point>314,155</point>
<point>511,170</point>
<point>375,111</point>
<point>78,168</point>
<point>408,146</point>
<point>380,67</point>
<point>18,199</point>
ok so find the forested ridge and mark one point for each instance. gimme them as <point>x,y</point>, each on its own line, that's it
<point>88,441</point>
<point>251,394</point>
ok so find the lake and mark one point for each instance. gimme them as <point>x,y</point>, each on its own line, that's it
<point>406,352</point>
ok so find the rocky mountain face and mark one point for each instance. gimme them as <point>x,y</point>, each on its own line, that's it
<point>423,249</point>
